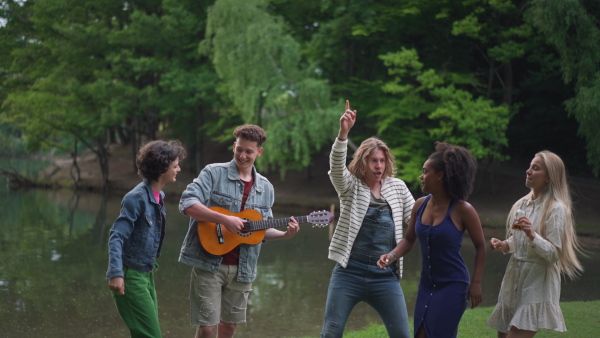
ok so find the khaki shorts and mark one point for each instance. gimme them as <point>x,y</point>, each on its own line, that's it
<point>219,296</point>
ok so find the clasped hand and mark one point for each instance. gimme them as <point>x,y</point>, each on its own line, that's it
<point>385,260</point>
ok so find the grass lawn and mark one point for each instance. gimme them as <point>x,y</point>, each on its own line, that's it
<point>582,319</point>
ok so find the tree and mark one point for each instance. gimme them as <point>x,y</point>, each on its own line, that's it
<point>260,66</point>
<point>157,79</point>
<point>90,72</point>
<point>431,107</point>
<point>572,28</point>
<point>53,89</point>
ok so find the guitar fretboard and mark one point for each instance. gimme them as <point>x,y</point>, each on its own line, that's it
<point>275,223</point>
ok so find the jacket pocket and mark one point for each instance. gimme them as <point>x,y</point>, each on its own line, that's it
<point>220,200</point>
<point>150,219</point>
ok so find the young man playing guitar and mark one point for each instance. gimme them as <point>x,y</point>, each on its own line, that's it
<point>220,285</point>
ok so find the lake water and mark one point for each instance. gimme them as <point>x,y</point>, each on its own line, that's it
<point>53,259</point>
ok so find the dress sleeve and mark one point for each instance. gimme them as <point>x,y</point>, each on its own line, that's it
<point>550,246</point>
<point>511,244</point>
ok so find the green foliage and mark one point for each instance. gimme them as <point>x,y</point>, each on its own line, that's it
<point>573,30</point>
<point>93,73</point>
<point>260,64</point>
<point>475,123</point>
<point>90,69</point>
<point>432,108</point>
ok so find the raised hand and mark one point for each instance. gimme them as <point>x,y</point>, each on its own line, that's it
<point>527,227</point>
<point>346,121</point>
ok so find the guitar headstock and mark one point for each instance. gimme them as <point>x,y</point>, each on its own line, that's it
<point>320,218</point>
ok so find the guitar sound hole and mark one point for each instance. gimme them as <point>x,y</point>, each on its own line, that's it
<point>244,233</point>
<point>246,230</point>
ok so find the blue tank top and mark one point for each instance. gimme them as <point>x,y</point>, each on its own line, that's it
<point>440,249</point>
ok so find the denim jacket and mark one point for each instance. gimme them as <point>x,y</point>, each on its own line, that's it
<point>137,235</point>
<point>219,185</point>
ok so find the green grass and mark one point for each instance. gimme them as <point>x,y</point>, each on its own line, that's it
<point>582,319</point>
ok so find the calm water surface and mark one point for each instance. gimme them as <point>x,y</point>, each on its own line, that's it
<point>53,259</point>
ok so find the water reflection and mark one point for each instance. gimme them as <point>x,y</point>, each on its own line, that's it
<point>53,260</point>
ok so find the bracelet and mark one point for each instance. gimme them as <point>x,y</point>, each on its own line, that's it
<point>393,254</point>
<point>341,139</point>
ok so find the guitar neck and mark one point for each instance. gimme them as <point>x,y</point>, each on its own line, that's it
<point>275,223</point>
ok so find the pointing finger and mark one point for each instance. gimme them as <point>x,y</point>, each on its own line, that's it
<point>347,105</point>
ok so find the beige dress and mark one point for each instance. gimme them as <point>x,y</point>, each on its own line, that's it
<point>530,292</point>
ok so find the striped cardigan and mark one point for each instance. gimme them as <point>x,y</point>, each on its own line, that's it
<point>355,196</point>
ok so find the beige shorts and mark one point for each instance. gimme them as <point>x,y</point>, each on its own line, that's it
<point>219,296</point>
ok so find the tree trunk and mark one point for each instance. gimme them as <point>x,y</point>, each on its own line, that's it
<point>134,143</point>
<point>103,155</point>
<point>490,85</point>
<point>199,142</point>
<point>76,176</point>
<point>508,83</point>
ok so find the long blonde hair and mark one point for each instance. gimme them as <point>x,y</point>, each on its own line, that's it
<point>557,191</point>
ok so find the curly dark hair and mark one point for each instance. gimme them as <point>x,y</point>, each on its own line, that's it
<point>459,167</point>
<point>251,132</point>
<point>155,157</point>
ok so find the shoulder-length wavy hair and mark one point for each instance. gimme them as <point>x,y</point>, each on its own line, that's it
<point>358,167</point>
<point>556,191</point>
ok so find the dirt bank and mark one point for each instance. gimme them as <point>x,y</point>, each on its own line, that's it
<point>493,198</point>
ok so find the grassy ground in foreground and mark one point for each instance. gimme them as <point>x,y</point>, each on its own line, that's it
<point>581,319</point>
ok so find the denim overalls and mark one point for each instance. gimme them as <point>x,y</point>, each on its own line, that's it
<point>363,280</point>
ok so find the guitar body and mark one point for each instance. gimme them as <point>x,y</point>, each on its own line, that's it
<point>218,241</point>
<point>208,233</point>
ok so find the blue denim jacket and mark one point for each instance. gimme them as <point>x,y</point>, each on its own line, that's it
<point>219,185</point>
<point>137,235</point>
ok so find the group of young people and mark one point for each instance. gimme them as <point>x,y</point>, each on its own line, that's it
<point>368,243</point>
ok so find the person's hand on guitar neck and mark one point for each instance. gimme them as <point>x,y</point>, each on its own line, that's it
<point>292,229</point>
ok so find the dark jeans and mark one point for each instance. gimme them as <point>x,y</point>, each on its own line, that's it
<point>362,280</point>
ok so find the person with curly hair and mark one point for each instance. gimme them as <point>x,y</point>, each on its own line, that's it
<point>439,221</point>
<point>374,205</point>
<point>544,245</point>
<point>137,235</point>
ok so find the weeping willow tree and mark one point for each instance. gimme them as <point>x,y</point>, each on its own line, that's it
<point>263,74</point>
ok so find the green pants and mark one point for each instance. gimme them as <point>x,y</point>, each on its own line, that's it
<point>138,307</point>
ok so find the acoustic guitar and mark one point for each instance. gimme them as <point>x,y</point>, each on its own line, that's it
<point>217,240</point>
